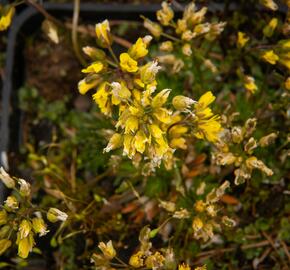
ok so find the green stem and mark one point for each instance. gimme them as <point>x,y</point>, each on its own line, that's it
<point>113,55</point>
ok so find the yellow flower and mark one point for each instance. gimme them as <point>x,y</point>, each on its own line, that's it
<point>103,33</point>
<point>95,67</point>
<point>155,261</point>
<point>205,100</point>
<point>250,85</point>
<point>87,84</point>
<point>138,50</point>
<point>120,92</point>
<point>197,224</point>
<point>6,14</point>
<point>137,260</point>
<point>242,39</point>
<point>4,245</point>
<point>127,63</point>
<point>148,72</point>
<point>154,28</point>
<point>270,27</point>
<point>25,245</point>
<point>270,57</point>
<point>165,15</point>
<point>269,4</point>
<point>107,249</point>
<point>181,26</point>
<point>207,124</point>
<point>39,226</point>
<point>199,206</point>
<point>101,97</point>
<point>183,266</point>
<point>24,228</point>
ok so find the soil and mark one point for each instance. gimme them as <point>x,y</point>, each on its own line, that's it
<point>51,68</point>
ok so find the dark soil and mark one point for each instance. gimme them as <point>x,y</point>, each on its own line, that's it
<point>51,68</point>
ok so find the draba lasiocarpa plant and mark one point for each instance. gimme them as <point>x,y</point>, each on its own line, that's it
<point>179,161</point>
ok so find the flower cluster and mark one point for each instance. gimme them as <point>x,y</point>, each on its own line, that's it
<point>147,125</point>
<point>144,257</point>
<point>19,219</point>
<point>191,26</point>
<point>236,146</point>
<point>205,213</point>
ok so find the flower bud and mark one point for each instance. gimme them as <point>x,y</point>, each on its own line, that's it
<point>168,206</point>
<point>24,228</point>
<point>24,188</point>
<point>250,85</point>
<point>154,28</point>
<point>210,65</point>
<point>11,203</point>
<point>270,27</point>
<point>94,53</point>
<point>149,71</point>
<point>237,134</point>
<point>107,249</point>
<point>114,143</point>
<point>188,35</point>
<point>6,179</point>
<point>39,226</point>
<point>4,245</point>
<point>186,49</point>
<point>54,215</point>
<point>165,15</point>
<point>269,4</point>
<point>4,231</point>
<point>166,46</point>
<point>182,103</point>
<point>3,217</point>
<point>103,33</point>
<point>242,39</point>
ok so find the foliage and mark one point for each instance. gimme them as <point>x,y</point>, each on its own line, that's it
<point>180,156</point>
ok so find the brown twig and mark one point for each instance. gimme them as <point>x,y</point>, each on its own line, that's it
<point>286,250</point>
<point>41,10</point>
